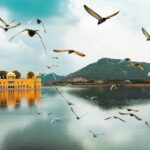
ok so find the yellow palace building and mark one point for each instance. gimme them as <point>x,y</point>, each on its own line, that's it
<point>12,82</point>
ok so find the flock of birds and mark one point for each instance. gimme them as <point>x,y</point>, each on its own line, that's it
<point>32,32</point>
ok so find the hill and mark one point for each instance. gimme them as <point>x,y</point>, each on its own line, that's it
<point>111,69</point>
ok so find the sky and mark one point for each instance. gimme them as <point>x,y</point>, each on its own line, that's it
<point>69,26</point>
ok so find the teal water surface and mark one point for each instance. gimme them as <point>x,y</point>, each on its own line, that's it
<point>42,120</point>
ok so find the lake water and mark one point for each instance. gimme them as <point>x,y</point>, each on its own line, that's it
<point>26,121</point>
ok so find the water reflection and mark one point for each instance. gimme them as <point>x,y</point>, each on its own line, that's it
<point>107,99</point>
<point>13,98</point>
<point>24,129</point>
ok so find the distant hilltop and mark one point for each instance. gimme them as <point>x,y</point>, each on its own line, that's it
<point>106,69</point>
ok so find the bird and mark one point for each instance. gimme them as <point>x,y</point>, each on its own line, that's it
<point>54,57</point>
<point>8,26</point>
<point>146,34</point>
<point>115,117</point>
<point>38,21</point>
<point>95,135</point>
<point>77,117</point>
<point>125,59</point>
<point>129,109</point>
<point>69,103</point>
<point>70,52</point>
<point>31,33</point>
<point>92,98</point>
<point>115,86</point>
<point>131,114</point>
<point>148,74</point>
<point>97,16</point>
<point>147,124</point>
<point>55,120</point>
<point>49,67</point>
<point>136,65</point>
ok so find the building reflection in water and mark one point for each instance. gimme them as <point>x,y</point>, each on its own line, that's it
<point>12,98</point>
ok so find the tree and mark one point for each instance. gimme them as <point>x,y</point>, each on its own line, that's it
<point>17,73</point>
<point>3,74</point>
<point>30,74</point>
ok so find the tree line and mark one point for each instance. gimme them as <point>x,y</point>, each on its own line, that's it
<point>3,74</point>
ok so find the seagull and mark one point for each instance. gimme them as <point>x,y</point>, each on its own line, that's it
<point>77,117</point>
<point>147,124</point>
<point>31,33</point>
<point>126,59</point>
<point>129,109</point>
<point>70,52</point>
<point>38,21</point>
<point>48,67</point>
<point>95,135</point>
<point>54,57</point>
<point>115,117</point>
<point>136,65</point>
<point>70,103</point>
<point>8,26</point>
<point>146,34</point>
<point>97,16</point>
<point>148,74</point>
<point>115,86</point>
<point>132,115</point>
<point>55,120</point>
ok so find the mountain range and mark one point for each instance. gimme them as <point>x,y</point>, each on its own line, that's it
<point>106,69</point>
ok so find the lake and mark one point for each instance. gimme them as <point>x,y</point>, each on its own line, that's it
<point>43,120</point>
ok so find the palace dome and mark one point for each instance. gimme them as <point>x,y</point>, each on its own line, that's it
<point>11,74</point>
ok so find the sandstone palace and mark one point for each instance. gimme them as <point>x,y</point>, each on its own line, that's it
<point>12,82</point>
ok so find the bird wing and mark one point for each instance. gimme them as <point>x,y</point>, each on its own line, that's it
<point>43,26</point>
<point>91,131</point>
<point>92,13</point>
<point>121,119</point>
<point>138,118</point>
<point>141,67</point>
<point>73,111</point>
<point>121,113</point>
<point>17,34</point>
<point>114,14</point>
<point>58,51</point>
<point>14,26</point>
<point>135,110</point>
<point>3,21</point>
<point>79,53</point>
<point>113,86</point>
<point>107,118</point>
<point>42,42</point>
<point>146,33</point>
<point>2,27</point>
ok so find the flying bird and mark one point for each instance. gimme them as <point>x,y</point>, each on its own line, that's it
<point>147,124</point>
<point>55,120</point>
<point>136,65</point>
<point>146,34</point>
<point>77,117</point>
<point>97,16</point>
<point>69,103</point>
<point>95,135</point>
<point>54,57</point>
<point>115,117</point>
<point>8,26</point>
<point>129,109</point>
<point>115,86</point>
<point>70,52</point>
<point>132,115</point>
<point>126,59</point>
<point>38,21</point>
<point>31,33</point>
